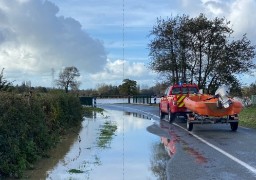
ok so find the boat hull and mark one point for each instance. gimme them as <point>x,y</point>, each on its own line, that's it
<point>207,105</point>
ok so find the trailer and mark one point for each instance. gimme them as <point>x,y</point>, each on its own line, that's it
<point>218,108</point>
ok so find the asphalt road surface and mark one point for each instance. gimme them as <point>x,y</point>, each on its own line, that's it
<point>210,151</point>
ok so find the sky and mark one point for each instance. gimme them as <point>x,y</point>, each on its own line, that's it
<point>107,40</point>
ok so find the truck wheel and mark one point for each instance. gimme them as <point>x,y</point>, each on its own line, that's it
<point>234,126</point>
<point>171,116</point>
<point>161,114</point>
<point>189,126</point>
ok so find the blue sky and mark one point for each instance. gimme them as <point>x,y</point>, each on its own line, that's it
<point>39,38</point>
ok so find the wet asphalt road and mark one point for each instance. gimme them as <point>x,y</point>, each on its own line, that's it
<point>211,151</point>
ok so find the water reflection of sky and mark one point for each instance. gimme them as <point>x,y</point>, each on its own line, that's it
<point>128,157</point>
<point>119,100</point>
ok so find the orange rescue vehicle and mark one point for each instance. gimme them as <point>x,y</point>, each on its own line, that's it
<point>172,102</point>
<point>185,100</point>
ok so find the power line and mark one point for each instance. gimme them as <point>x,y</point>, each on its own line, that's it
<point>123,79</point>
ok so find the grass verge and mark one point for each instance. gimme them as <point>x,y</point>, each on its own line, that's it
<point>247,117</point>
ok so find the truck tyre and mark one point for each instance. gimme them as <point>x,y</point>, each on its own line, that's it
<point>234,126</point>
<point>189,126</point>
<point>171,116</point>
<point>161,114</point>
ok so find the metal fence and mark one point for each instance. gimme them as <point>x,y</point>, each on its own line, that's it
<point>88,101</point>
<point>143,99</point>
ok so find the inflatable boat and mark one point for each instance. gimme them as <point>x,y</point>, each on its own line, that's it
<point>218,108</point>
<point>208,105</point>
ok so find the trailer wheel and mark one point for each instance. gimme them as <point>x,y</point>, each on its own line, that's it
<point>189,126</point>
<point>161,114</point>
<point>171,116</point>
<point>234,126</point>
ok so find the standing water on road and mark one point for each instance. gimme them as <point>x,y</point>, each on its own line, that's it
<point>112,145</point>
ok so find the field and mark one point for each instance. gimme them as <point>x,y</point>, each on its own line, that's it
<point>248,117</point>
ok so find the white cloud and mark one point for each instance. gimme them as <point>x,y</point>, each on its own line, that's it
<point>117,70</point>
<point>34,40</point>
<point>242,17</point>
<point>215,7</point>
<point>37,35</point>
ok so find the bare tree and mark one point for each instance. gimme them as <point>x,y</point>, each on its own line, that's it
<point>4,84</point>
<point>67,79</point>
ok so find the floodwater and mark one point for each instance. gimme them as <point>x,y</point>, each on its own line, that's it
<point>114,145</point>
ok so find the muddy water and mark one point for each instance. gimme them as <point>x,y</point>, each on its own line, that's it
<point>113,145</point>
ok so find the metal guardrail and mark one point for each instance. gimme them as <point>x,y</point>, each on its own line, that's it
<point>88,101</point>
<point>143,99</point>
<point>136,99</point>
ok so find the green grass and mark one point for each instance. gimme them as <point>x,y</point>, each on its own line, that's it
<point>89,110</point>
<point>75,171</point>
<point>107,131</point>
<point>247,117</point>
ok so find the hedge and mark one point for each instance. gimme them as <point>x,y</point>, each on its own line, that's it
<point>31,125</point>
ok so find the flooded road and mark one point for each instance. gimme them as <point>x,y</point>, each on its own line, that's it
<point>112,145</point>
<point>131,142</point>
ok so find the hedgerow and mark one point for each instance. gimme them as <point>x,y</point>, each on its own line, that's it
<point>31,125</point>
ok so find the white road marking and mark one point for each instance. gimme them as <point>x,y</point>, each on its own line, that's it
<point>242,163</point>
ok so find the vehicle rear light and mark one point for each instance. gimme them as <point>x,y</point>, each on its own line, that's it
<point>174,102</point>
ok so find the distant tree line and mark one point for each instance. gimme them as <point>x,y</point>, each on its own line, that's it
<point>127,88</point>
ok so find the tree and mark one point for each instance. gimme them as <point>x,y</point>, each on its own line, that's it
<point>67,79</point>
<point>106,90</point>
<point>129,87</point>
<point>4,84</point>
<point>249,90</point>
<point>199,50</point>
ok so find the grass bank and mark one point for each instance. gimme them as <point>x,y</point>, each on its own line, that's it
<point>247,117</point>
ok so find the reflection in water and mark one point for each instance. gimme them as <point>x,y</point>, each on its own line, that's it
<point>90,114</point>
<point>159,161</point>
<point>163,151</point>
<point>143,116</point>
<point>168,141</point>
<point>84,155</point>
<point>111,146</point>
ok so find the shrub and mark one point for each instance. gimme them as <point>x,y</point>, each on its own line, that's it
<point>31,125</point>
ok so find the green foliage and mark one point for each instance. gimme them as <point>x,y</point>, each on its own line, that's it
<point>31,125</point>
<point>129,87</point>
<point>199,50</point>
<point>248,117</point>
<point>249,90</point>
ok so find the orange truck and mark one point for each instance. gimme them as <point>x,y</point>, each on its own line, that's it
<point>171,103</point>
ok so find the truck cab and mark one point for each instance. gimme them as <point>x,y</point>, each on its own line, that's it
<point>171,103</point>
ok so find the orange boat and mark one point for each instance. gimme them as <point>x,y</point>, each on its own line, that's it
<point>212,109</point>
<point>208,105</point>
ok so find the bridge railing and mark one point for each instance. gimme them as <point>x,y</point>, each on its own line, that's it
<point>136,99</point>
